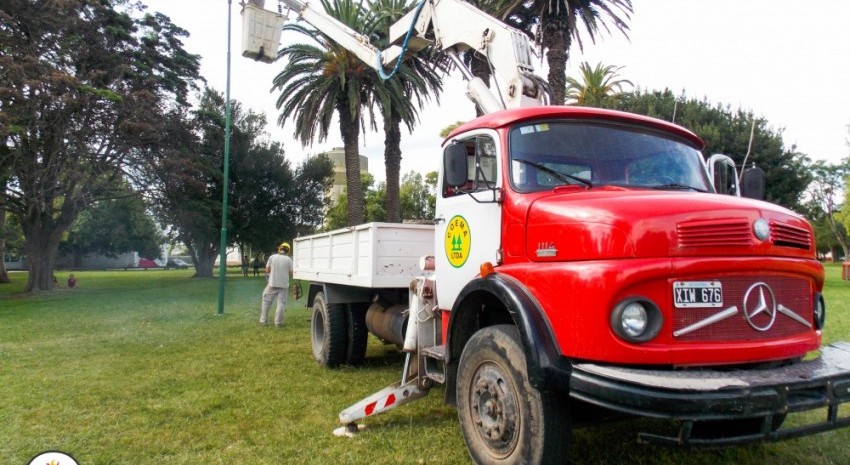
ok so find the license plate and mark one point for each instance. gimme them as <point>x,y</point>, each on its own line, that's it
<point>690,294</point>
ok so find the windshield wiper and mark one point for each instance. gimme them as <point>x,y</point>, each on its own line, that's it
<point>678,187</point>
<point>566,178</point>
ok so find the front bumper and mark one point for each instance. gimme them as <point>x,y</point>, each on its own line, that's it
<point>709,395</point>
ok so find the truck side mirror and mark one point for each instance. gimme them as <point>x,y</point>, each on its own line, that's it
<point>455,165</point>
<point>752,183</point>
<point>723,175</point>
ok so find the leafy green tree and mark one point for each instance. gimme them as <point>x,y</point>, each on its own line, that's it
<point>114,226</point>
<point>418,196</point>
<point>728,132</point>
<point>318,81</point>
<point>84,84</point>
<point>400,97</point>
<point>559,24</point>
<point>374,201</point>
<point>825,238</point>
<point>448,129</point>
<point>268,200</point>
<point>825,190</point>
<point>599,86</point>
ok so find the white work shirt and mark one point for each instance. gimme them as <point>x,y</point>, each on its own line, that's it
<point>280,269</point>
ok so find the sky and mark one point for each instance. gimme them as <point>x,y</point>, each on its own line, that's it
<point>788,62</point>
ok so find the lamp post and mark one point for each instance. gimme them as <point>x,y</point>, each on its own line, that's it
<point>222,271</point>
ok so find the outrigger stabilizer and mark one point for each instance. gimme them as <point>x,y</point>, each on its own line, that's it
<point>420,364</point>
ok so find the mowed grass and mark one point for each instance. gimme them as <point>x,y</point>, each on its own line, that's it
<point>136,367</point>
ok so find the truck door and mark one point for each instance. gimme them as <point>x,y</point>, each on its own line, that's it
<point>469,217</point>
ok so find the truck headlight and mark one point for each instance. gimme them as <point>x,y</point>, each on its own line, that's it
<point>819,311</point>
<point>636,319</point>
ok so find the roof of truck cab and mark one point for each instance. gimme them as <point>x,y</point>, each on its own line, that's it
<point>507,117</point>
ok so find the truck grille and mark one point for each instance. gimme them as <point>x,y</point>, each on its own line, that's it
<point>715,233</point>
<point>790,236</point>
<point>790,304</point>
<point>738,232</point>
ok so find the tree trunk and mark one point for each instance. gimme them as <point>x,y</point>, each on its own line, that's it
<point>4,277</point>
<point>838,236</point>
<point>204,266</point>
<point>556,42</point>
<point>350,131</point>
<point>204,258</point>
<point>392,162</point>
<point>42,245</point>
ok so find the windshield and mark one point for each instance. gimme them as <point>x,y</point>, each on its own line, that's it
<point>550,154</point>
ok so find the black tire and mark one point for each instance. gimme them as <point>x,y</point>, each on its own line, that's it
<point>328,332</point>
<point>358,334</point>
<point>504,419</point>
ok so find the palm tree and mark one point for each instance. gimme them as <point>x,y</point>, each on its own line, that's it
<point>399,98</point>
<point>319,81</point>
<point>558,27</point>
<point>599,86</point>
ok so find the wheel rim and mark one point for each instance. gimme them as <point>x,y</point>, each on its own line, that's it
<point>318,333</point>
<point>495,411</point>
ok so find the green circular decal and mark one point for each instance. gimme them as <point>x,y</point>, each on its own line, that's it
<point>457,241</point>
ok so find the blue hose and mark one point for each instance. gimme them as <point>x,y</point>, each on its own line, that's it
<point>380,66</point>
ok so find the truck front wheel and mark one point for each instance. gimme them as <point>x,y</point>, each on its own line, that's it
<point>328,332</point>
<point>504,419</point>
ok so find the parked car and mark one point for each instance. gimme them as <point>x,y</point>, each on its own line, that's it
<point>147,263</point>
<point>177,263</point>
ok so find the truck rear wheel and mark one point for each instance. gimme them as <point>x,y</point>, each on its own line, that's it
<point>358,334</point>
<point>328,332</point>
<point>504,419</point>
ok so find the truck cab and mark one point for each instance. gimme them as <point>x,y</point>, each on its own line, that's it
<point>595,242</point>
<point>611,222</point>
<point>585,266</point>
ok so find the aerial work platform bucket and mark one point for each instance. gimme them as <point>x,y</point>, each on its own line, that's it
<point>261,30</point>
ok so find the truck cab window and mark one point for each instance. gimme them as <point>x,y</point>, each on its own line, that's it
<point>482,166</point>
<point>548,154</point>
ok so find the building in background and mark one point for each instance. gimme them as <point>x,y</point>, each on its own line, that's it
<point>337,157</point>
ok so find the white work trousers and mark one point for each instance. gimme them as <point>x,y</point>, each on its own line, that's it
<point>269,294</point>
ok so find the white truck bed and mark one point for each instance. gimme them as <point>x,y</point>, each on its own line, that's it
<point>373,255</point>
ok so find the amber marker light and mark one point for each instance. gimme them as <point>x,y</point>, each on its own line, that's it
<point>487,269</point>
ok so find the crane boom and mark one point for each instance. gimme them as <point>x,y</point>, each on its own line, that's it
<point>453,26</point>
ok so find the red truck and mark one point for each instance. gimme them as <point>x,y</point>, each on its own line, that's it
<point>582,265</point>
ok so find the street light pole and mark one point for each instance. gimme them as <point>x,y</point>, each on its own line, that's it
<point>222,269</point>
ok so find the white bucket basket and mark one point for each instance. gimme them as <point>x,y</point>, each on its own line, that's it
<point>260,33</point>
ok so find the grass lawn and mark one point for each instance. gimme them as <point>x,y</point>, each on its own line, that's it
<point>134,367</point>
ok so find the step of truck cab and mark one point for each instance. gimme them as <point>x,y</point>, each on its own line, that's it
<point>434,366</point>
<point>436,352</point>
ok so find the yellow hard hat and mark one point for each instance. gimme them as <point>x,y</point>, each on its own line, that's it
<point>284,245</point>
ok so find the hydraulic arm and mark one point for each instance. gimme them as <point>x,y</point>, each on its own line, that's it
<point>453,26</point>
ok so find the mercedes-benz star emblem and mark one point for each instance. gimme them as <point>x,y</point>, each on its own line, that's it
<point>760,306</point>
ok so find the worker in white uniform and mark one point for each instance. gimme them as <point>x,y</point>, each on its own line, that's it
<point>278,274</point>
